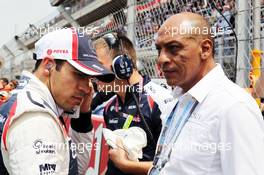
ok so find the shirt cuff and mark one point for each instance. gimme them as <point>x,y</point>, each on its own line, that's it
<point>82,124</point>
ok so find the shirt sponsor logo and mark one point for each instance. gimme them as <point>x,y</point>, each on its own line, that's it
<point>42,148</point>
<point>168,100</point>
<point>113,121</point>
<point>132,107</point>
<point>2,119</point>
<point>46,169</point>
<point>112,108</point>
<point>85,55</point>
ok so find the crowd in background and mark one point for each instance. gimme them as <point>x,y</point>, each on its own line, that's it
<point>150,18</point>
<point>6,88</point>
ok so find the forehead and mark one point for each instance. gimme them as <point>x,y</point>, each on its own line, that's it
<point>182,33</point>
<point>166,33</point>
<point>164,37</point>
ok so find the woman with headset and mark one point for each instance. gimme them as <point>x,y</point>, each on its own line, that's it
<point>116,52</point>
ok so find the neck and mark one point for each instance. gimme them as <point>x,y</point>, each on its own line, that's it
<point>122,95</point>
<point>41,77</point>
<point>135,77</point>
<point>204,71</point>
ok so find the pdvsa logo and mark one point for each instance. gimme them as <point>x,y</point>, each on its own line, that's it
<point>113,121</point>
<point>46,169</point>
<point>132,107</point>
<point>57,51</point>
<point>49,51</point>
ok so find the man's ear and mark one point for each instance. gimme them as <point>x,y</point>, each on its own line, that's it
<point>48,64</point>
<point>206,49</point>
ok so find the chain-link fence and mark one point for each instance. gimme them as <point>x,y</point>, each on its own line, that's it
<point>141,19</point>
<point>148,15</point>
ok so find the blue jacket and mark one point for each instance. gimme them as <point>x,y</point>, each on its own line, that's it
<point>116,113</point>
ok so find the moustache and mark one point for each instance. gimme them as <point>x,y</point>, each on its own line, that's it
<point>169,68</point>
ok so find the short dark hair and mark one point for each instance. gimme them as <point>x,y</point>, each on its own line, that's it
<point>15,83</point>
<point>59,64</point>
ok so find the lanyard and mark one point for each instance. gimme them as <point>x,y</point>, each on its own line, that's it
<point>130,117</point>
<point>140,92</point>
<point>170,133</point>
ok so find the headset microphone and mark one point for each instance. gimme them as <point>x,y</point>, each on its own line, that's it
<point>123,66</point>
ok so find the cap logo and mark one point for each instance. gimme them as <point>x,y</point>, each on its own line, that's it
<point>49,51</point>
<point>59,51</point>
<point>64,51</point>
<point>123,64</point>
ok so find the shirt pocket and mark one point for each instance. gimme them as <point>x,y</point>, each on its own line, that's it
<point>195,151</point>
<point>195,144</point>
<point>200,136</point>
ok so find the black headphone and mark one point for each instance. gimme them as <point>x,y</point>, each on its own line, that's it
<point>122,65</point>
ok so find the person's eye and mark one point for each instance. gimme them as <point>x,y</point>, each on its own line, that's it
<point>158,49</point>
<point>79,75</point>
<point>173,49</point>
<point>82,76</point>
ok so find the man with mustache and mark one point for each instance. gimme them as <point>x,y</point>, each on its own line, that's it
<point>34,137</point>
<point>215,127</point>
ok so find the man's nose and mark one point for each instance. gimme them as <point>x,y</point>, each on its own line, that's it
<point>84,85</point>
<point>163,58</point>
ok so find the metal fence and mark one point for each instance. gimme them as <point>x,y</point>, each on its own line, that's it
<point>141,20</point>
